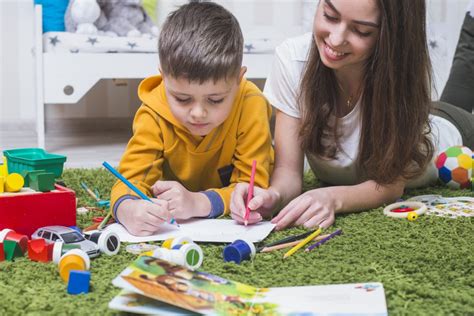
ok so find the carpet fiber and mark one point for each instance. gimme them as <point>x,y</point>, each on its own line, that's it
<point>426,266</point>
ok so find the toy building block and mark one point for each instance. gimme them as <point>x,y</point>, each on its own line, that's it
<point>21,240</point>
<point>75,259</point>
<point>79,282</point>
<point>43,182</point>
<point>4,168</point>
<point>26,174</point>
<point>12,250</point>
<point>2,252</point>
<point>38,250</point>
<point>27,212</point>
<point>2,184</point>
<point>14,182</point>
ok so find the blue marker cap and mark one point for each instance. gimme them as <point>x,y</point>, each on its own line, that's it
<point>239,251</point>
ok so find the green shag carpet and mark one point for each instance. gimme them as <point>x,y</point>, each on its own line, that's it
<point>426,266</point>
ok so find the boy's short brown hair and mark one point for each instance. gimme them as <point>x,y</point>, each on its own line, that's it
<point>201,41</point>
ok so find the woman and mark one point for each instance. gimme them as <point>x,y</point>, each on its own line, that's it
<point>354,97</point>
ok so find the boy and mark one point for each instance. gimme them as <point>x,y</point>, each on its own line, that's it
<point>199,128</point>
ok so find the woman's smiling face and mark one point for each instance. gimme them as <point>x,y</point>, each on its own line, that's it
<point>345,32</point>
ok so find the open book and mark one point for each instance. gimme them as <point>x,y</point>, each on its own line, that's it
<point>149,282</point>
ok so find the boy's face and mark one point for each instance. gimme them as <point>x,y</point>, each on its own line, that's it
<point>201,107</point>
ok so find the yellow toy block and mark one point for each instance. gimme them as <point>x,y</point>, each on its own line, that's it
<point>14,182</point>
<point>2,184</point>
<point>4,168</point>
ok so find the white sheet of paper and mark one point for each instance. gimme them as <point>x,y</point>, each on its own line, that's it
<point>204,230</point>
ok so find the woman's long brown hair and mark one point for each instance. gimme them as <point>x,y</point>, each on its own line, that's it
<point>395,104</point>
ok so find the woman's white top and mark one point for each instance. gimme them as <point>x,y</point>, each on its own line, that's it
<point>282,88</point>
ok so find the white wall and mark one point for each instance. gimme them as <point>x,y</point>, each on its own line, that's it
<point>111,101</point>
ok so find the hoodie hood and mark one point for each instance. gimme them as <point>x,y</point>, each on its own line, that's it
<point>151,92</point>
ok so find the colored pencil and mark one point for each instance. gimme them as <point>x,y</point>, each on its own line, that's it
<point>131,186</point>
<point>288,244</point>
<point>303,243</point>
<point>104,221</point>
<point>287,239</point>
<point>89,191</point>
<point>319,243</point>
<point>250,192</point>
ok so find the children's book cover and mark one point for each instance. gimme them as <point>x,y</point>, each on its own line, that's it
<point>208,294</point>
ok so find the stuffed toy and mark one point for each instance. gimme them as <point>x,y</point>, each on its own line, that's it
<point>116,17</point>
<point>127,18</point>
<point>84,17</point>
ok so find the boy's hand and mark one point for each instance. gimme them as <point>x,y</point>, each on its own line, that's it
<point>142,218</point>
<point>260,206</point>
<point>182,203</point>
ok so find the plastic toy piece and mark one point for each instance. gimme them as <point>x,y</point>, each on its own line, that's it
<point>4,233</point>
<point>170,243</point>
<point>75,259</point>
<point>412,216</point>
<point>43,182</point>
<point>2,252</point>
<point>189,255</point>
<point>38,250</point>
<point>239,251</point>
<point>26,174</point>
<point>12,250</point>
<point>22,240</point>
<point>2,183</point>
<point>60,249</point>
<point>403,210</point>
<point>14,182</point>
<point>418,208</point>
<point>4,168</point>
<point>108,242</point>
<point>34,159</point>
<point>79,282</point>
<point>57,207</point>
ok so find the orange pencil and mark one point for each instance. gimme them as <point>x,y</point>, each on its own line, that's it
<point>250,192</point>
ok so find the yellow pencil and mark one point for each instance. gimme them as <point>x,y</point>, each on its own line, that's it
<point>302,243</point>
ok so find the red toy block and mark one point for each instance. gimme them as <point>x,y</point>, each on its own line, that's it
<point>50,251</point>
<point>26,212</point>
<point>22,240</point>
<point>2,252</point>
<point>38,250</point>
<point>12,250</point>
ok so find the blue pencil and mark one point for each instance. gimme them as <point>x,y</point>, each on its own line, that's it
<point>322,241</point>
<point>130,185</point>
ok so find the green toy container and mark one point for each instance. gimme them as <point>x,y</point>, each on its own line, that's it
<point>22,159</point>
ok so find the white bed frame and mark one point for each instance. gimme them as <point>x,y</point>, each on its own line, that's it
<point>65,78</point>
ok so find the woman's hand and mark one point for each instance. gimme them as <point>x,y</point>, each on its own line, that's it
<point>182,203</point>
<point>310,209</point>
<point>142,218</point>
<point>260,206</point>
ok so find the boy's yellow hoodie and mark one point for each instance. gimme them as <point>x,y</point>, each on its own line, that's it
<point>161,148</point>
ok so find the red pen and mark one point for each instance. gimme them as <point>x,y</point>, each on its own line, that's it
<point>250,192</point>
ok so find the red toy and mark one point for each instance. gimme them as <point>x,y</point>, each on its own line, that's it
<point>38,250</point>
<point>2,252</point>
<point>26,212</point>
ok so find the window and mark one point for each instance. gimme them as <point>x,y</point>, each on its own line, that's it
<point>54,237</point>
<point>47,235</point>
<point>72,237</point>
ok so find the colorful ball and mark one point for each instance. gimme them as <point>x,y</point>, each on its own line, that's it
<point>455,167</point>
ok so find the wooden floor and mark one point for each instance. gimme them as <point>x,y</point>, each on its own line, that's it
<point>84,150</point>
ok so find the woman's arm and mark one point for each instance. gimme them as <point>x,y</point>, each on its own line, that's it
<point>287,177</point>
